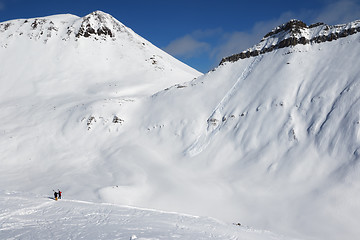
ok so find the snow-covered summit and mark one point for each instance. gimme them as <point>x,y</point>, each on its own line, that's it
<point>297,32</point>
<point>97,24</point>
<point>97,45</point>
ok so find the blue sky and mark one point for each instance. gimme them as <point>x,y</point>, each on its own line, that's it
<point>198,33</point>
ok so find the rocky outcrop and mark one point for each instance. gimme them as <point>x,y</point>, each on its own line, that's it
<point>87,31</point>
<point>98,23</point>
<point>296,32</point>
<point>293,26</point>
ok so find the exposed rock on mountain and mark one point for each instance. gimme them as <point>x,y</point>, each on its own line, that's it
<point>296,32</point>
<point>99,23</point>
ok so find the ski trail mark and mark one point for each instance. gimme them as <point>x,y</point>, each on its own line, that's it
<point>215,120</point>
<point>233,89</point>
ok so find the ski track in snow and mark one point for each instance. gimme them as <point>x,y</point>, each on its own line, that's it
<point>35,217</point>
<point>204,139</point>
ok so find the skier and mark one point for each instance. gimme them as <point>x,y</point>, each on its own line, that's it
<point>55,195</point>
<point>59,194</point>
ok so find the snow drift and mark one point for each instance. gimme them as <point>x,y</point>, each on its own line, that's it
<point>271,140</point>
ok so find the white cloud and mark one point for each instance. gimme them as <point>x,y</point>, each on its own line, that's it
<point>187,46</point>
<point>208,33</point>
<point>338,12</point>
<point>234,42</point>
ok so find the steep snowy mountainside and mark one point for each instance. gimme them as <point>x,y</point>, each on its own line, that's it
<point>64,48</point>
<point>25,216</point>
<point>63,74</point>
<point>274,137</point>
<point>297,32</point>
<point>68,86</point>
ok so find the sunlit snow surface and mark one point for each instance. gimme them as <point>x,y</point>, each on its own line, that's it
<point>270,141</point>
<point>25,216</point>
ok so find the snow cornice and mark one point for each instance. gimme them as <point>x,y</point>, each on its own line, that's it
<point>296,32</point>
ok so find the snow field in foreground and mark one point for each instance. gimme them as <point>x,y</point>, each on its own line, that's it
<point>23,216</point>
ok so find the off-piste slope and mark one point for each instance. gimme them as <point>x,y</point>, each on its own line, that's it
<point>61,76</point>
<point>273,137</point>
<point>26,216</point>
<point>270,140</point>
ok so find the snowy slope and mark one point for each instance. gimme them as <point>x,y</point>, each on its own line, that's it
<point>96,53</point>
<point>62,74</point>
<point>24,216</point>
<point>270,140</point>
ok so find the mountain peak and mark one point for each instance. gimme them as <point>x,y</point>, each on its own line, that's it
<point>293,26</point>
<point>296,32</point>
<point>100,14</point>
<point>97,24</point>
<point>99,17</point>
<point>100,24</point>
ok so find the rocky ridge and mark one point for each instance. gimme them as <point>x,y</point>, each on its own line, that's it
<point>296,32</point>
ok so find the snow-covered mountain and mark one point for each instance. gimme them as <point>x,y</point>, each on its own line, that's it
<point>95,53</point>
<point>270,140</point>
